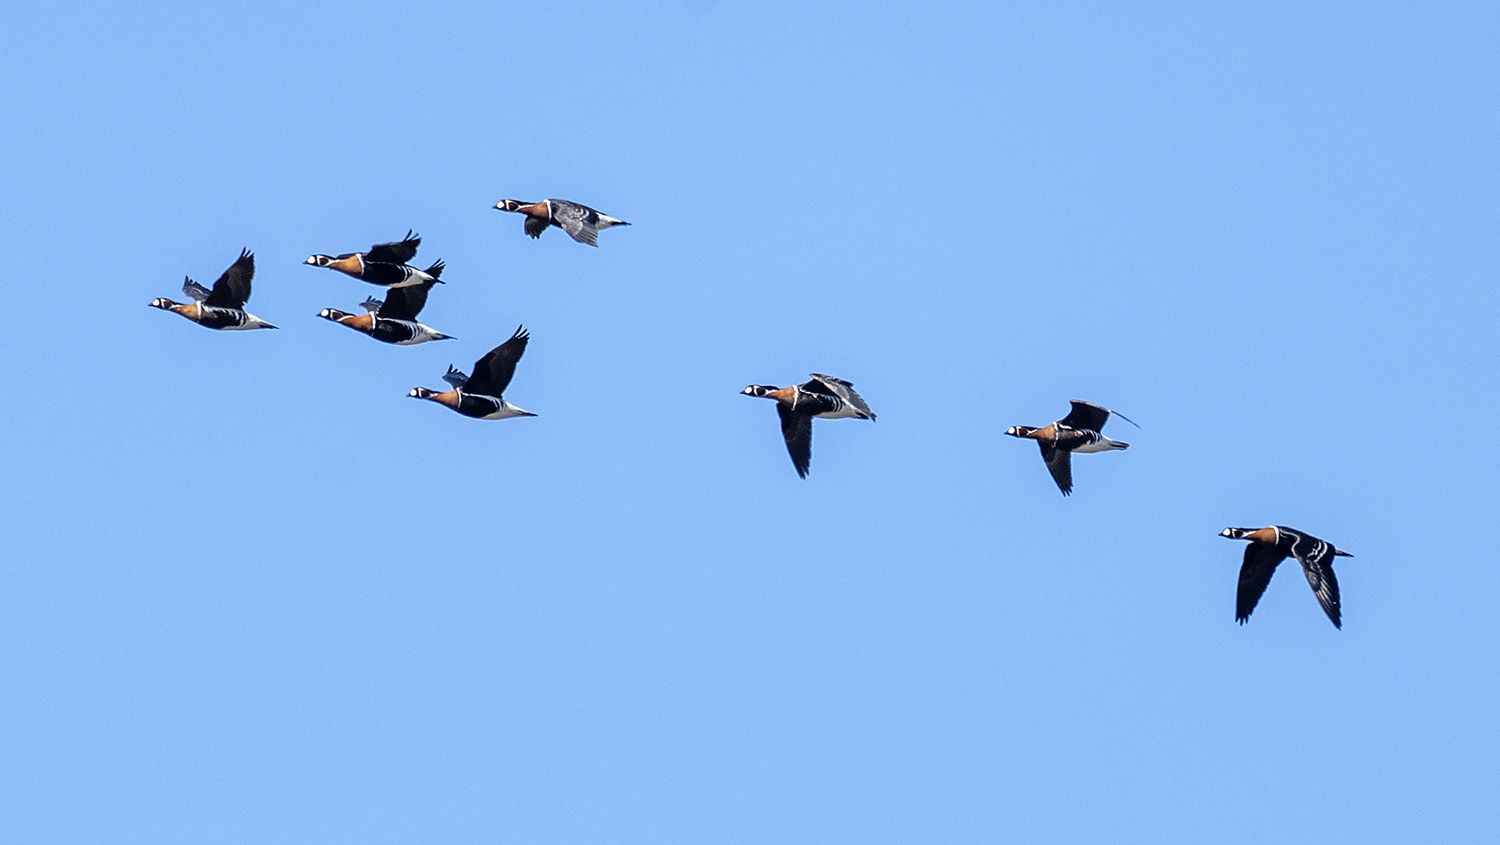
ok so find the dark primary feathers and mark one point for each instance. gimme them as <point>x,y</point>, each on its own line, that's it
<point>1059,463</point>
<point>796,428</point>
<point>405,303</point>
<point>1087,415</point>
<point>1255,573</point>
<point>1324,585</point>
<point>232,290</point>
<point>1316,557</point>
<point>396,252</point>
<point>493,372</point>
<point>1057,453</point>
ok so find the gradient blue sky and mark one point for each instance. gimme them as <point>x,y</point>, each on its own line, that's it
<point>255,594</point>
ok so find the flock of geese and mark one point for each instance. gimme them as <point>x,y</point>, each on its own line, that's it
<point>480,394</point>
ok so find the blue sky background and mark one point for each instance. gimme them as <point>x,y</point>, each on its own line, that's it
<point>255,594</point>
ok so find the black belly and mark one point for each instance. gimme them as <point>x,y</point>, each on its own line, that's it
<point>471,405</point>
<point>393,331</point>
<point>380,273</point>
<point>1072,438</point>
<point>813,404</point>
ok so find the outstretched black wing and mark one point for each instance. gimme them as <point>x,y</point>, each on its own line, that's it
<point>493,372</point>
<point>396,252</point>
<point>1260,564</point>
<point>405,303</point>
<point>1085,415</point>
<point>1060,464</point>
<point>232,290</point>
<point>797,430</point>
<point>1316,557</point>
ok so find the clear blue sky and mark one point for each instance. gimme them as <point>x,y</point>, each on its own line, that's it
<point>256,594</point>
